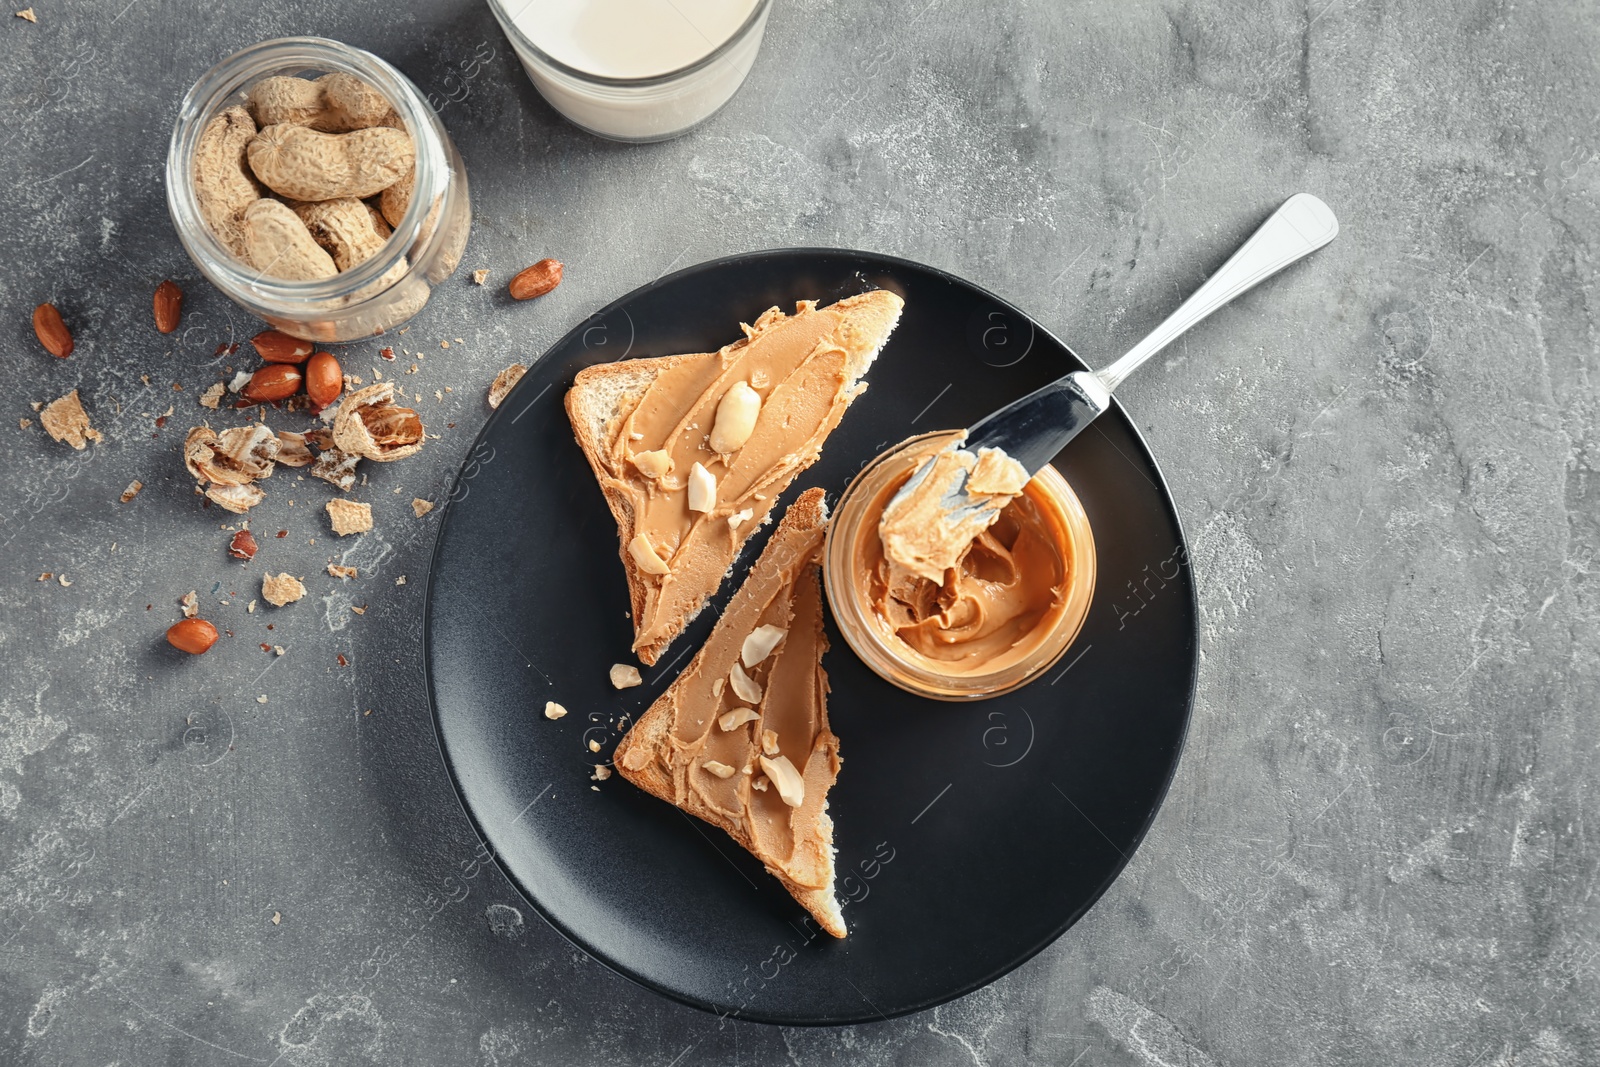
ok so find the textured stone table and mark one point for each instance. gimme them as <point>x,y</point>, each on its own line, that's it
<point>1381,844</point>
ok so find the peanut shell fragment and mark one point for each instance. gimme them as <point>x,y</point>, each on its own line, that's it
<point>503,383</point>
<point>65,420</point>
<point>371,425</point>
<point>235,498</point>
<point>235,457</point>
<point>348,517</point>
<point>281,589</point>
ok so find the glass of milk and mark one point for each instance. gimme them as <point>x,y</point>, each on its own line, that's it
<point>635,70</point>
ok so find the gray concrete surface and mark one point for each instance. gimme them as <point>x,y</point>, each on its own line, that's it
<point>1381,845</point>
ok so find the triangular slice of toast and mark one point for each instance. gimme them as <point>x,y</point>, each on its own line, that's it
<point>697,749</point>
<point>806,368</point>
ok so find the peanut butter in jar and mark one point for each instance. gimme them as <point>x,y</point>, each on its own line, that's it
<point>985,616</point>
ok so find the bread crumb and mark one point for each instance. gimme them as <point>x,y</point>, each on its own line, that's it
<point>420,507</point>
<point>349,517</point>
<point>503,382</point>
<point>336,571</point>
<point>552,710</point>
<point>65,420</point>
<point>212,397</point>
<point>133,490</point>
<point>625,676</point>
<point>281,589</point>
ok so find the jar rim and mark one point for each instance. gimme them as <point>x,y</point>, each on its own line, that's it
<point>875,649</point>
<point>210,94</point>
<point>521,41</point>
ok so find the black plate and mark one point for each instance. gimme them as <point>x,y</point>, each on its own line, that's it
<point>969,836</point>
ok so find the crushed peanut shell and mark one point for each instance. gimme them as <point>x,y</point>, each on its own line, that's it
<point>65,420</point>
<point>281,589</point>
<point>503,382</point>
<point>349,517</point>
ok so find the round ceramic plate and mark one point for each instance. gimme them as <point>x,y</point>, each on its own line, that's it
<point>969,836</point>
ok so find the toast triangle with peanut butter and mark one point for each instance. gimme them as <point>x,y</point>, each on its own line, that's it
<point>757,762</point>
<point>643,424</point>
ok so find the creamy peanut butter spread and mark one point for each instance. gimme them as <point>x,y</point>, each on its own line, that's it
<point>967,568</point>
<point>714,439</point>
<point>749,732</point>
<point>945,505</point>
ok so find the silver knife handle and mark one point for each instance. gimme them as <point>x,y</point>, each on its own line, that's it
<point>1301,226</point>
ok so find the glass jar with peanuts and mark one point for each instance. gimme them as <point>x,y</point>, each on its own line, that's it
<point>313,184</point>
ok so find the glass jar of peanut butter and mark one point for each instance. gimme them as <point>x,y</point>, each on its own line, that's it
<point>1005,613</point>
